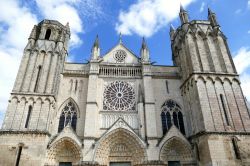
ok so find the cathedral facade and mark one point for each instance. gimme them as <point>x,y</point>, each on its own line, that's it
<point>121,109</point>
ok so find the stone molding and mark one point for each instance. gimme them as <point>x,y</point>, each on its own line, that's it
<point>202,133</point>
<point>40,132</point>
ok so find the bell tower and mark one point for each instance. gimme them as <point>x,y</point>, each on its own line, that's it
<point>38,77</point>
<point>210,84</point>
<point>43,58</point>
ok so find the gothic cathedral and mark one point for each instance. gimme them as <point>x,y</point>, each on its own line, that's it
<point>120,109</point>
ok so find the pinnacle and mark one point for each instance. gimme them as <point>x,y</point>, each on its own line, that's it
<point>209,11</point>
<point>144,44</point>
<point>172,28</point>
<point>181,8</point>
<point>120,38</point>
<point>96,43</point>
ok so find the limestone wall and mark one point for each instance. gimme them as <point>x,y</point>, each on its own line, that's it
<point>33,149</point>
<point>217,102</point>
<point>219,150</point>
<point>17,113</point>
<point>71,88</point>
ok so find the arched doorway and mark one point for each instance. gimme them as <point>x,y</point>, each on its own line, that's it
<point>120,147</point>
<point>176,152</point>
<point>64,152</point>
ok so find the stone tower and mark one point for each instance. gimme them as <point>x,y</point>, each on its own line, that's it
<point>211,90</point>
<point>37,80</point>
<point>120,109</point>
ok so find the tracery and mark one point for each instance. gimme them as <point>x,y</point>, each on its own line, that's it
<point>119,96</point>
<point>171,114</point>
<point>68,115</point>
<point>120,55</point>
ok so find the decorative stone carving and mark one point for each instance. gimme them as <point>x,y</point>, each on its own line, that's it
<point>120,55</point>
<point>64,150</point>
<point>176,150</point>
<point>109,119</point>
<point>120,145</point>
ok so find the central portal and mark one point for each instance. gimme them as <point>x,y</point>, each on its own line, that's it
<point>120,164</point>
<point>120,147</point>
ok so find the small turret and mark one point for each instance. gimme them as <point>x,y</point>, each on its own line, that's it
<point>183,15</point>
<point>95,49</point>
<point>32,38</point>
<point>144,51</point>
<point>212,18</point>
<point>33,34</point>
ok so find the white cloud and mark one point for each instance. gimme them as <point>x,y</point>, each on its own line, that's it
<point>248,4</point>
<point>147,16</point>
<point>245,84</point>
<point>16,24</point>
<point>242,64</point>
<point>202,6</point>
<point>63,11</point>
<point>242,59</point>
<point>248,31</point>
<point>71,11</point>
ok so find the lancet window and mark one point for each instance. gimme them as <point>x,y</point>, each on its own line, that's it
<point>171,114</point>
<point>68,116</point>
<point>47,34</point>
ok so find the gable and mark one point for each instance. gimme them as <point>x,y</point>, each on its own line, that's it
<point>121,55</point>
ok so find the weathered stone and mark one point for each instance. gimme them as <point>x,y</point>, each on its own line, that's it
<point>193,113</point>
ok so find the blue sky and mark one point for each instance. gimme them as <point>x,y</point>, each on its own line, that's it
<point>107,18</point>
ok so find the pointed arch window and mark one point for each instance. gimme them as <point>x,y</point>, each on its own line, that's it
<point>171,114</point>
<point>68,116</point>
<point>47,34</point>
<point>38,77</point>
<point>28,117</point>
<point>19,153</point>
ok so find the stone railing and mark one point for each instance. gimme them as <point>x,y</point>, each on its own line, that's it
<point>75,72</point>
<point>121,71</point>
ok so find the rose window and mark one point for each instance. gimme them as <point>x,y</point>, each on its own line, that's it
<point>120,55</point>
<point>119,96</point>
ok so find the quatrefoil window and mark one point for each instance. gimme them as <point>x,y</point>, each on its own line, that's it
<point>119,96</point>
<point>120,55</point>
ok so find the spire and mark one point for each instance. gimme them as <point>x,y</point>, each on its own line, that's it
<point>144,51</point>
<point>95,49</point>
<point>212,18</point>
<point>96,43</point>
<point>120,38</point>
<point>144,44</point>
<point>183,15</point>
<point>181,8</point>
<point>209,11</point>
